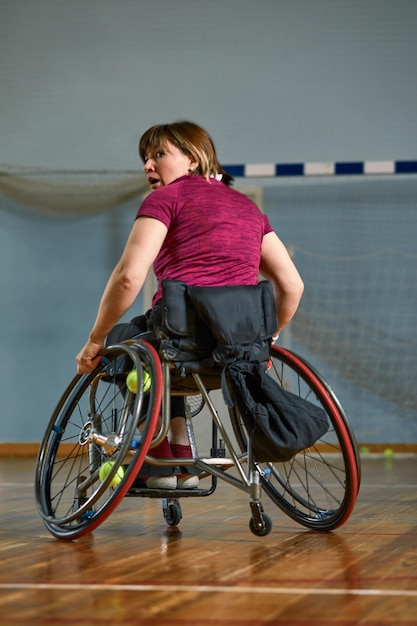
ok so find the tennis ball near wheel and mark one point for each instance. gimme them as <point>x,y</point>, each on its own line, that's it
<point>105,470</point>
<point>132,381</point>
<point>388,453</point>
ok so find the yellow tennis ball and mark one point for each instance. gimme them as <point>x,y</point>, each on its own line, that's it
<point>132,381</point>
<point>388,453</point>
<point>105,470</point>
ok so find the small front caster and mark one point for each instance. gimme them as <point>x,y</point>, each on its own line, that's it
<point>262,526</point>
<point>171,509</point>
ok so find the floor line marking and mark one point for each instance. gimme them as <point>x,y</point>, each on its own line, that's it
<point>209,589</point>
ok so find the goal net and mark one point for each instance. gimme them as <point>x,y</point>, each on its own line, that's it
<point>354,242</point>
<point>353,239</point>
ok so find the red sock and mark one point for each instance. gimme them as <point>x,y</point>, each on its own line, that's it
<point>181,452</point>
<point>162,451</point>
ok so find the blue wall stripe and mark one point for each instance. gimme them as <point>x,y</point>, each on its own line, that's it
<point>289,169</point>
<point>337,168</point>
<point>235,170</point>
<point>406,167</point>
<point>349,168</point>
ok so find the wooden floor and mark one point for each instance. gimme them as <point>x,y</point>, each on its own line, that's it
<point>211,570</point>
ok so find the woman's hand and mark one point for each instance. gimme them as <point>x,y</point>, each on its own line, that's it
<point>88,358</point>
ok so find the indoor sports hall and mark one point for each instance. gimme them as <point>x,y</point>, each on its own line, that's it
<point>311,106</point>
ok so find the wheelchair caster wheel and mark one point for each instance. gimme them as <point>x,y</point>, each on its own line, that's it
<point>171,509</point>
<point>263,527</point>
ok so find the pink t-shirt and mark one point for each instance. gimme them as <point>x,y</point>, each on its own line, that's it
<point>214,233</point>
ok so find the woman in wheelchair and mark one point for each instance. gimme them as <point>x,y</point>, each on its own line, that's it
<point>193,227</point>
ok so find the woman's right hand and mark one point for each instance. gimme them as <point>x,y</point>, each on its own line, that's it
<point>88,358</point>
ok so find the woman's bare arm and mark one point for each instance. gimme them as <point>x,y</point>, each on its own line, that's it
<point>278,267</point>
<point>126,281</point>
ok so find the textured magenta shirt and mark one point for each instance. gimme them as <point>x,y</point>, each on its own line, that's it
<point>214,233</point>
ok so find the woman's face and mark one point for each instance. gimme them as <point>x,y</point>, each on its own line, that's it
<point>166,164</point>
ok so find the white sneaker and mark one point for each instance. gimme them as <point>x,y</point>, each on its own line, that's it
<point>161,482</point>
<point>187,482</point>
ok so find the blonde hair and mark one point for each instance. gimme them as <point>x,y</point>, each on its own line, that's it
<point>192,140</point>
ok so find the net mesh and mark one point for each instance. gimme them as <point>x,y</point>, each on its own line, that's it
<point>354,244</point>
<point>70,193</point>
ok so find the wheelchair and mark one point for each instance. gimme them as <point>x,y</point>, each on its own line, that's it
<point>99,420</point>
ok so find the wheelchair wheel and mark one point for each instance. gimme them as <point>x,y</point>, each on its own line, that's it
<point>319,485</point>
<point>97,421</point>
<point>171,509</point>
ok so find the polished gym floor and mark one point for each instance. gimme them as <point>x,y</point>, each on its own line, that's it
<point>211,570</point>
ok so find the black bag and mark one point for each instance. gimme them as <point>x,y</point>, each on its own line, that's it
<point>223,323</point>
<point>279,423</point>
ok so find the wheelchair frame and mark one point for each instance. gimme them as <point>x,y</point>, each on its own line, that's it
<point>98,420</point>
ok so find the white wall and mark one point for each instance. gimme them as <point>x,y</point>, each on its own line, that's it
<point>272,80</point>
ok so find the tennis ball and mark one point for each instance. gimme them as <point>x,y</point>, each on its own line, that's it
<point>364,450</point>
<point>132,381</point>
<point>105,470</point>
<point>388,453</point>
